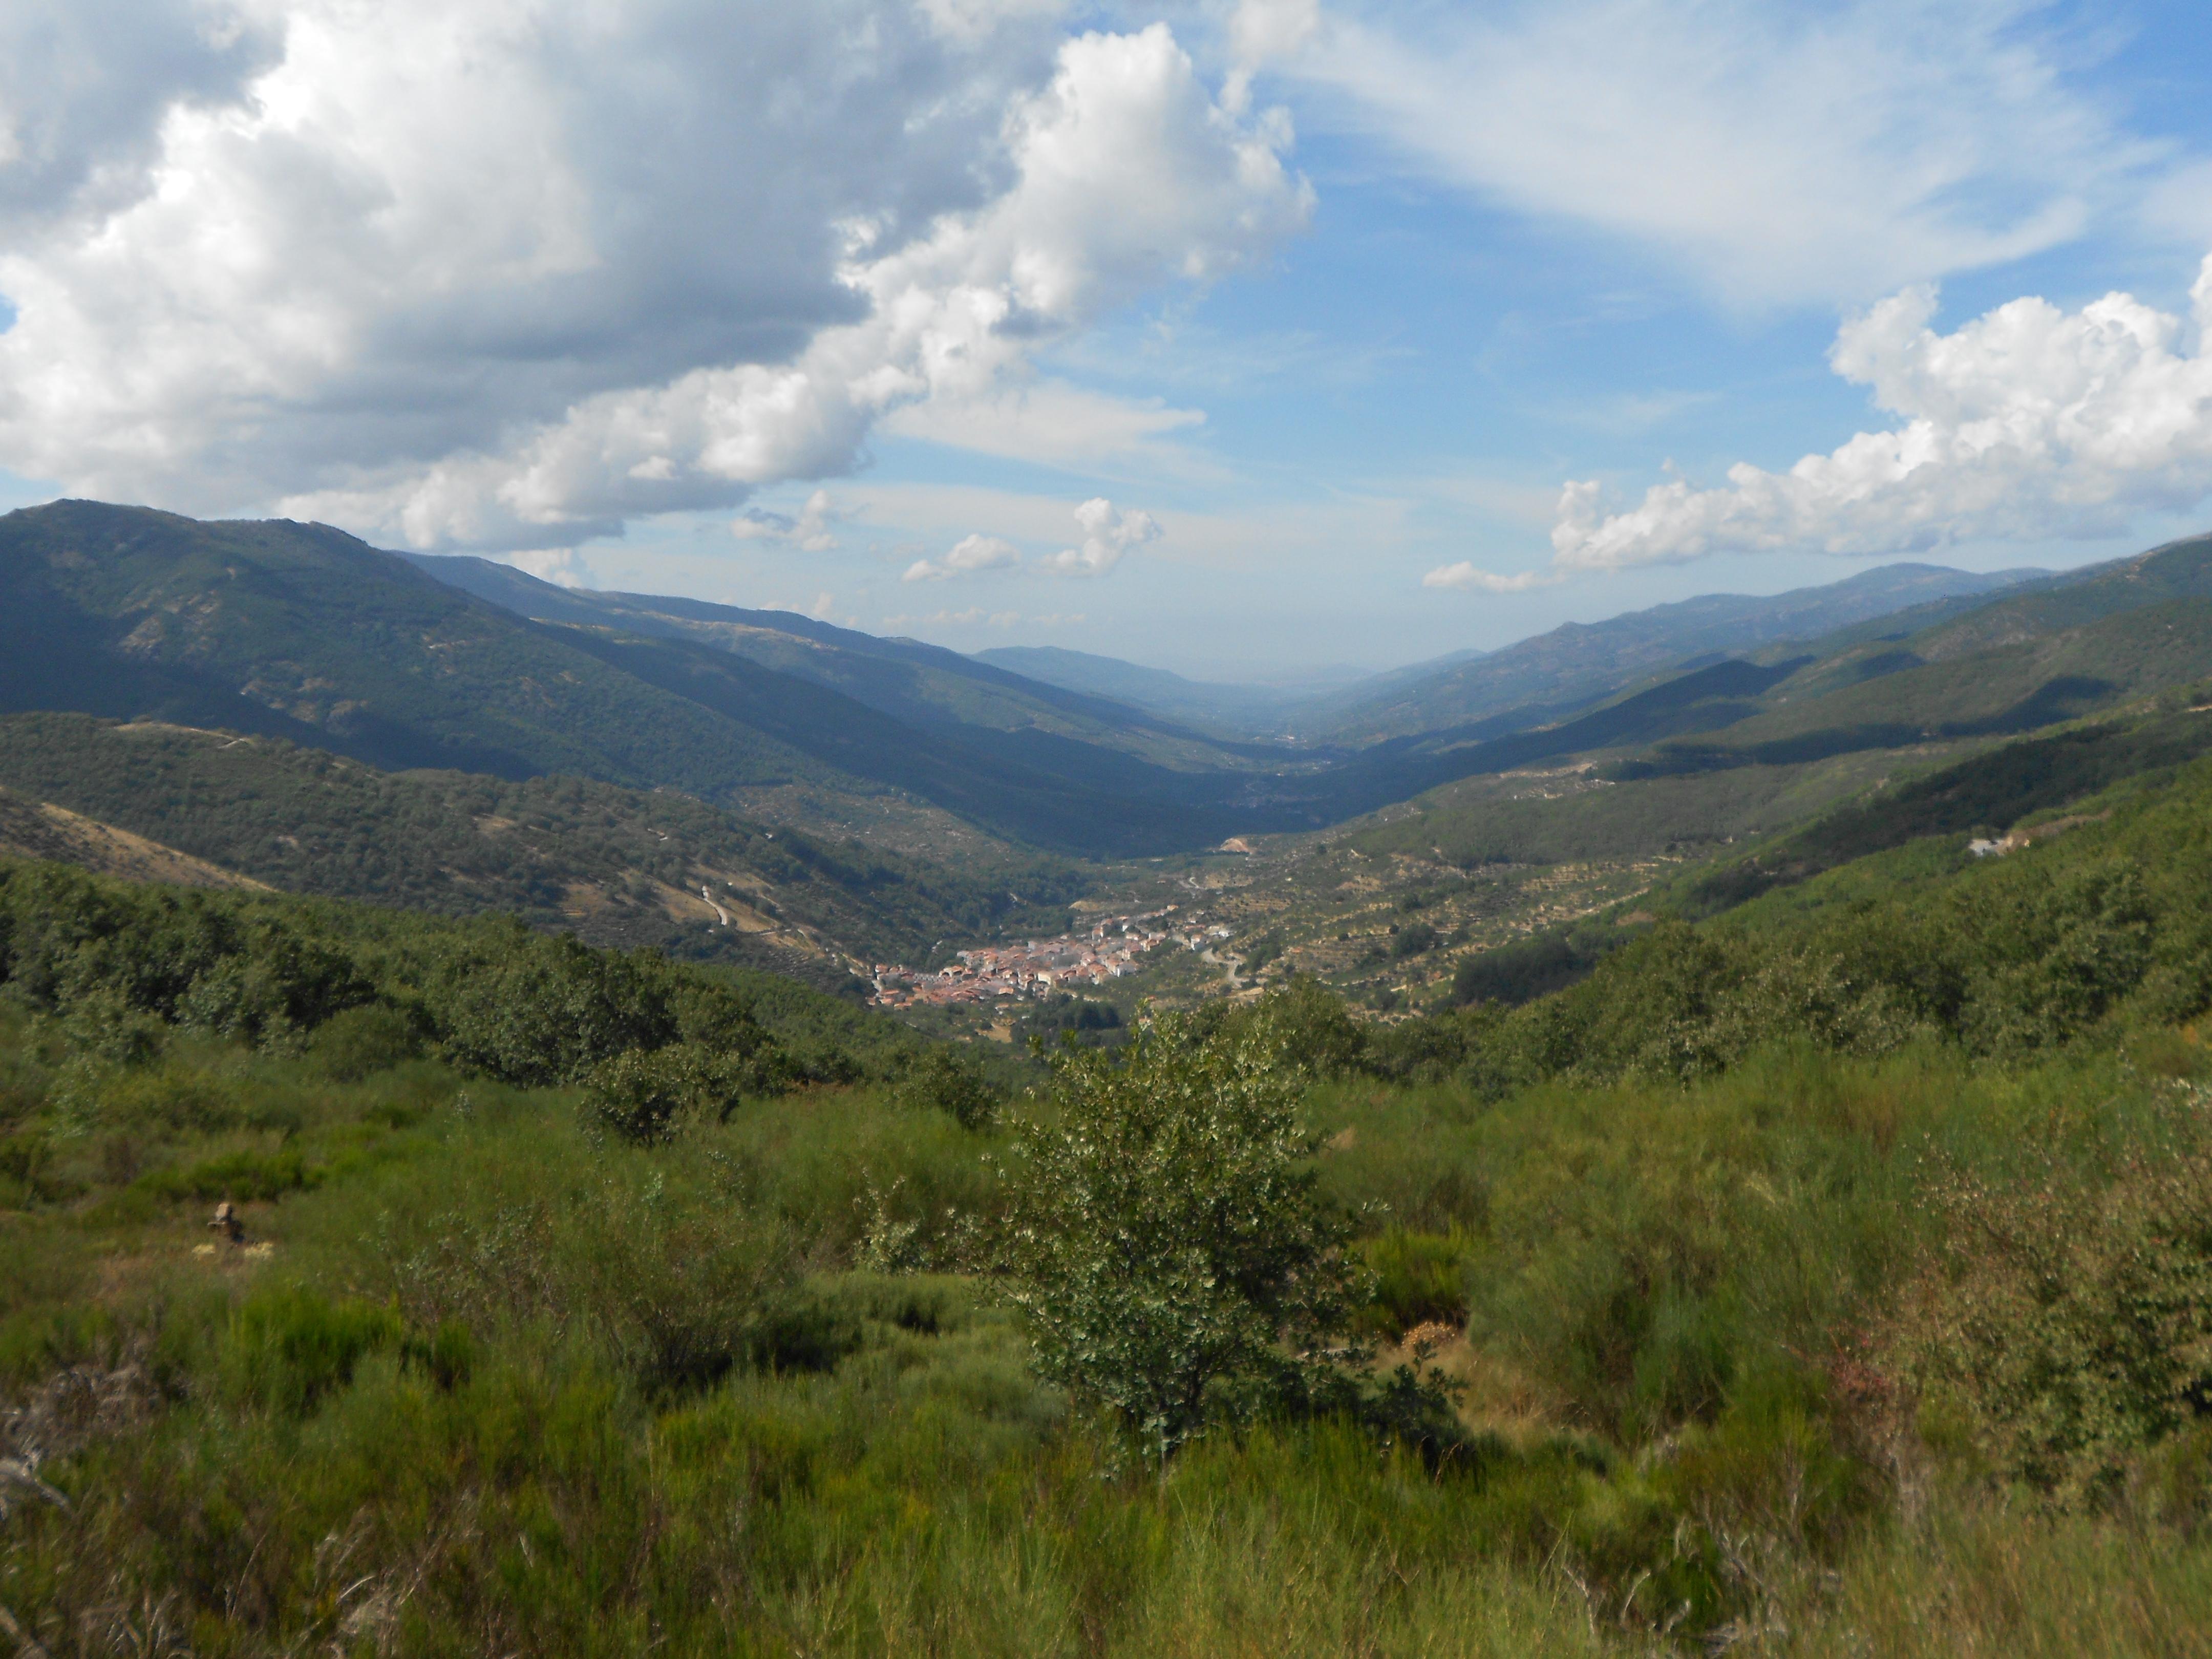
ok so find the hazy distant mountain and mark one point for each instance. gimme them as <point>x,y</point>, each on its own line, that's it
<point>1241,708</point>
<point>925,684</point>
<point>1580,662</point>
<point>1283,707</point>
<point>304,632</point>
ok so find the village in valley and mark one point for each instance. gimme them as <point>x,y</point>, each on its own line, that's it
<point>1109,948</point>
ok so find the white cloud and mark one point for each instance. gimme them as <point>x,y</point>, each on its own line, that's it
<point>1272,534</point>
<point>1260,30</point>
<point>1465,576</point>
<point>1107,535</point>
<point>970,21</point>
<point>2027,423</point>
<point>974,617</point>
<point>809,532</point>
<point>1777,153</point>
<point>821,607</point>
<point>508,274</point>
<point>560,565</point>
<point>1053,422</point>
<point>969,555</point>
<point>87,86</point>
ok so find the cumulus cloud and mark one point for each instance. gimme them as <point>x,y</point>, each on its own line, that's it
<point>506,275</point>
<point>86,87</point>
<point>1464,575</point>
<point>561,566</point>
<point>969,555</point>
<point>2024,423</point>
<point>974,617</point>
<point>809,533</point>
<point>1777,153</point>
<point>1050,421</point>
<point>1107,535</point>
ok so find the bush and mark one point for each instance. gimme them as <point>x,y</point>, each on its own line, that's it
<point>1306,1028</point>
<point>1165,1239</point>
<point>944,1079</point>
<point>1414,939</point>
<point>544,1012</point>
<point>1420,1278</point>
<point>646,1098</point>
<point>288,1348</point>
<point>243,1177</point>
<point>2064,1327</point>
<point>671,1280</point>
<point>361,1042</point>
<point>1523,971</point>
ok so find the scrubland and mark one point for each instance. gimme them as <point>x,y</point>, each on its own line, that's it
<point>1833,1277</point>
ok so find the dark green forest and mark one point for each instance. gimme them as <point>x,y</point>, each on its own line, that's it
<point>311,821</point>
<point>299,632</point>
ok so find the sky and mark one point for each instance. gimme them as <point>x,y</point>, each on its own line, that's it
<point>1257,339</point>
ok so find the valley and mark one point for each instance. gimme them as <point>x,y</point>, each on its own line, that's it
<point>759,788</point>
<point>997,829</point>
<point>729,1043</point>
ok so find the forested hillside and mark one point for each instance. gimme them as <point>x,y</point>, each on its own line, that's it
<point>1580,663</point>
<point>302,633</point>
<point>617,866</point>
<point>1832,1276</point>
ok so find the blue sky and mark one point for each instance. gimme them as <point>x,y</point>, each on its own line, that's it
<point>1327,304</point>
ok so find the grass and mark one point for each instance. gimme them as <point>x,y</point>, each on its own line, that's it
<point>476,1384</point>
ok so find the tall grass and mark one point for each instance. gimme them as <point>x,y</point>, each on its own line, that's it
<point>494,1387</point>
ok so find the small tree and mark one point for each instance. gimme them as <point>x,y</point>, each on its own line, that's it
<point>1165,1237</point>
<point>941,1078</point>
<point>647,1097</point>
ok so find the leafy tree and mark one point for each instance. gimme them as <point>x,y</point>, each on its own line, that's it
<point>1166,1240</point>
<point>646,1098</point>
<point>1412,940</point>
<point>540,1011</point>
<point>942,1078</point>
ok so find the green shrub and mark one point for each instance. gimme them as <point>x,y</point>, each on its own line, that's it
<point>538,1012</point>
<point>944,1079</point>
<point>1306,1026</point>
<point>1420,1278</point>
<point>1414,939</point>
<point>1165,1238</point>
<point>446,1355</point>
<point>646,1098</point>
<point>243,1177</point>
<point>288,1348</point>
<point>361,1042</point>
<point>2068,1322</point>
<point>673,1281</point>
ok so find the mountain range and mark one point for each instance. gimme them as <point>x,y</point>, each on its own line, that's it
<point>976,772</point>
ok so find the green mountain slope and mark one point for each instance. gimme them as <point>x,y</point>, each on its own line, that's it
<point>1251,709</point>
<point>1578,663</point>
<point>2007,667</point>
<point>617,866</point>
<point>302,632</point>
<point>921,685</point>
<point>2003,791</point>
<point>2003,689</point>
